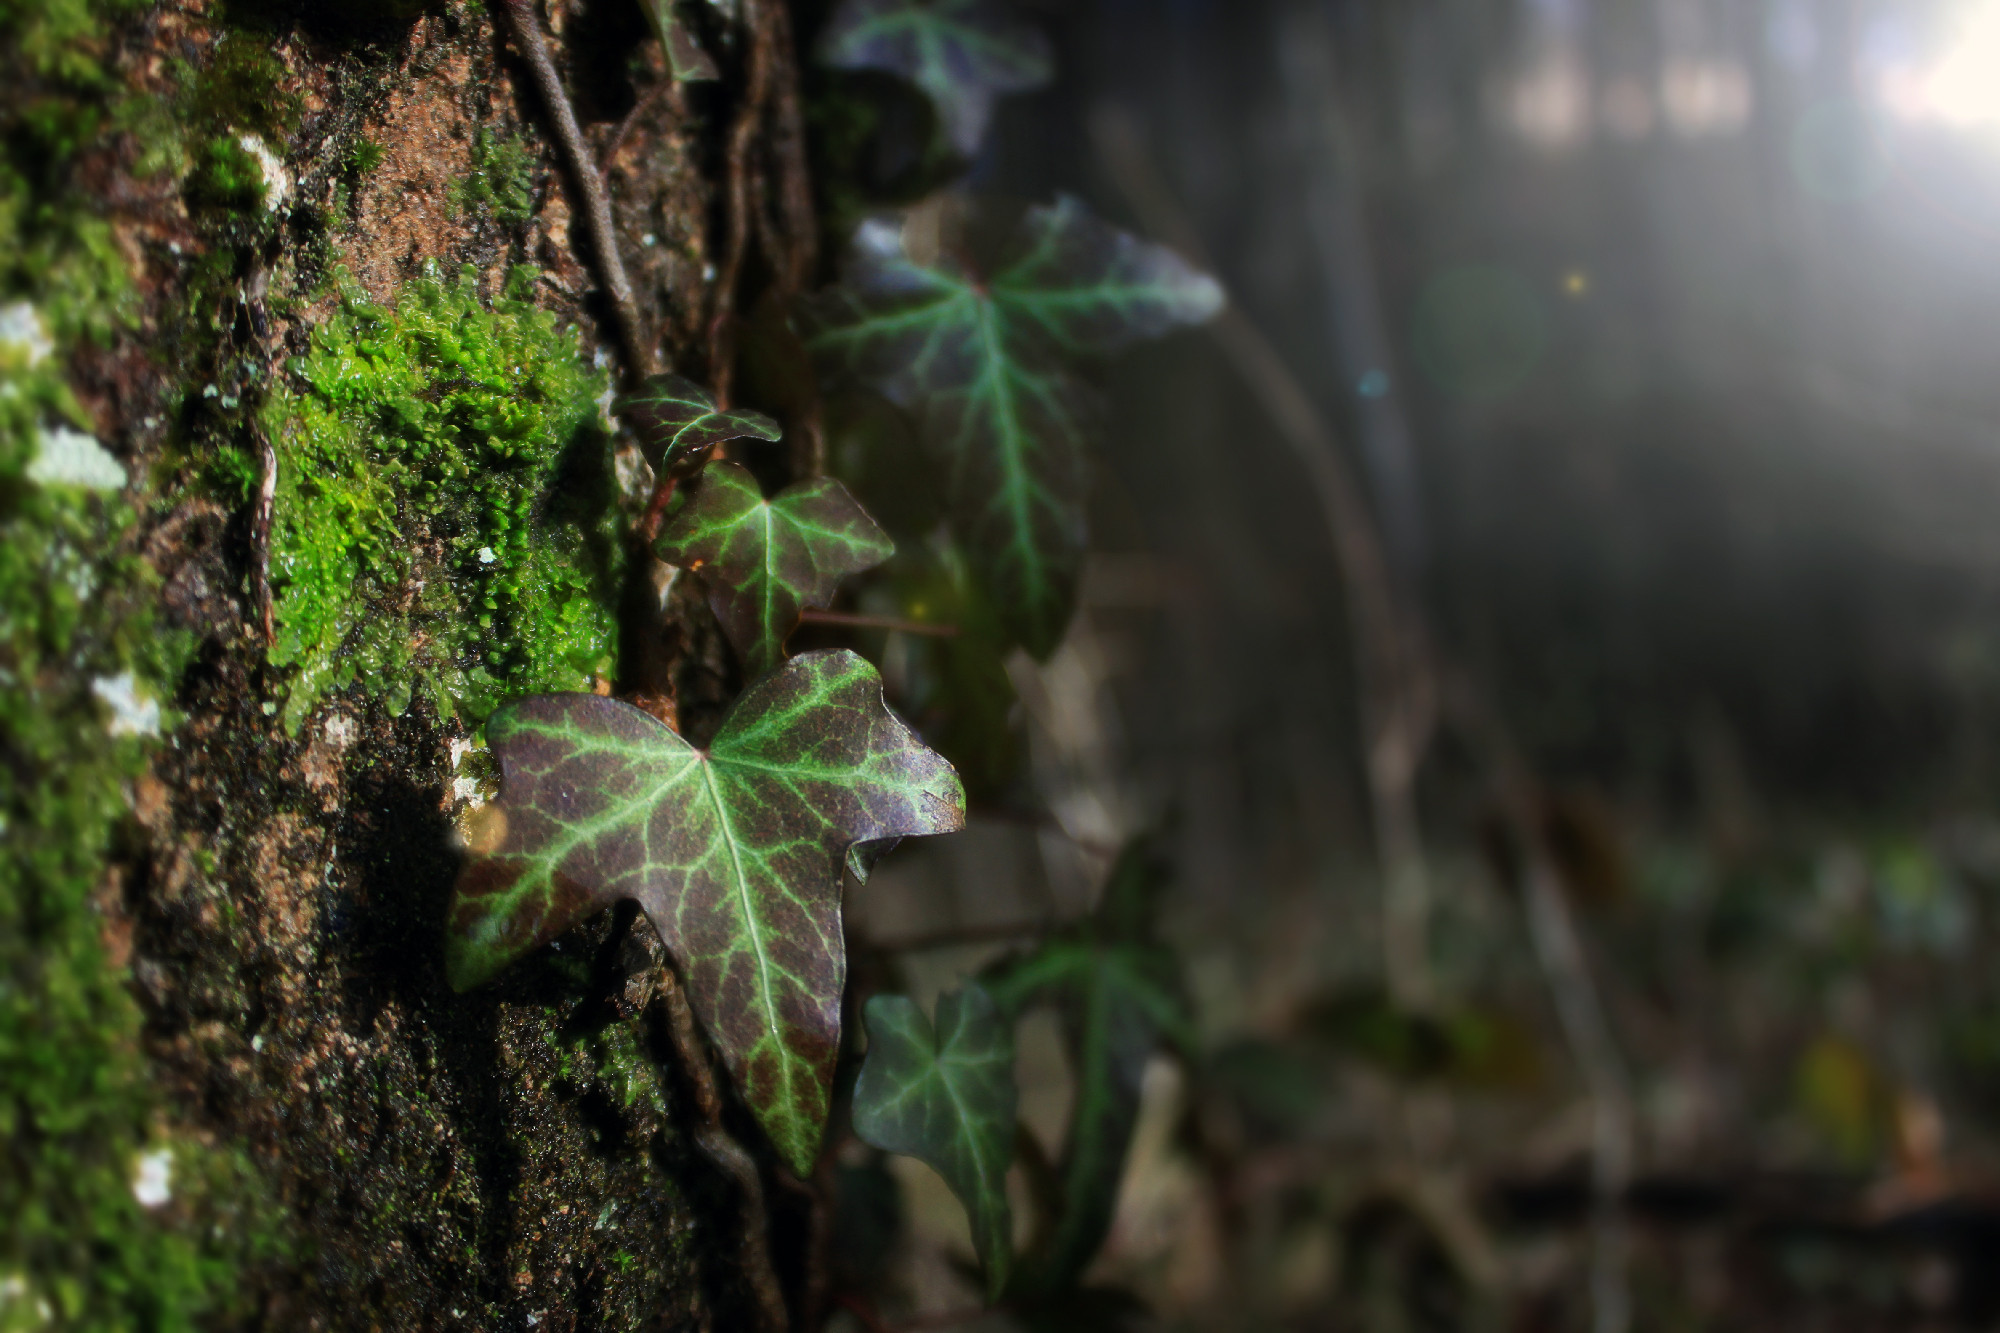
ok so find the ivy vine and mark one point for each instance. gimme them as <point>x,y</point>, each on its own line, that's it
<point>980,330</point>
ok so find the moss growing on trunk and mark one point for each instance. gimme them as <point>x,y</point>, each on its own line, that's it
<point>445,511</point>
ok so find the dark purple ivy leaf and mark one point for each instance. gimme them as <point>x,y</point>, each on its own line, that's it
<point>962,53</point>
<point>678,422</point>
<point>768,559</point>
<point>734,852</point>
<point>985,363</point>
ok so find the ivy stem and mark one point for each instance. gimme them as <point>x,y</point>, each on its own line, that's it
<point>656,508</point>
<point>526,30</point>
<point>815,616</point>
<point>754,1244</point>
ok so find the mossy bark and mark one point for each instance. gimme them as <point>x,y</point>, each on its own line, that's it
<point>514,1158</point>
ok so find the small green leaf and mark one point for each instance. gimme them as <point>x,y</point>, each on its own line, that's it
<point>767,559</point>
<point>734,852</point>
<point>962,53</point>
<point>685,57</point>
<point>678,422</point>
<point>984,362</point>
<point>946,1097</point>
<point>1120,997</point>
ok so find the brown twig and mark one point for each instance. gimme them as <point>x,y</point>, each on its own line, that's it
<point>1397,693</point>
<point>815,616</point>
<point>639,110</point>
<point>656,508</point>
<point>754,1243</point>
<point>260,531</point>
<point>736,239</point>
<point>526,30</point>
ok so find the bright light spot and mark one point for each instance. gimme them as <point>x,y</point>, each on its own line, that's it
<point>152,1182</point>
<point>1963,88</point>
<point>1549,104</point>
<point>1576,283</point>
<point>1704,98</point>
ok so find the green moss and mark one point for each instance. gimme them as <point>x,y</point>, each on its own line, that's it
<point>502,180</point>
<point>226,176</point>
<point>444,513</point>
<point>82,669</point>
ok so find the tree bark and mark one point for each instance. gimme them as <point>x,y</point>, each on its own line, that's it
<point>519,1157</point>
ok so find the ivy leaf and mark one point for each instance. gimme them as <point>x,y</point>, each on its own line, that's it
<point>962,53</point>
<point>766,559</point>
<point>734,852</point>
<point>685,57</point>
<point>1120,997</point>
<point>678,422</point>
<point>946,1097</point>
<point>983,359</point>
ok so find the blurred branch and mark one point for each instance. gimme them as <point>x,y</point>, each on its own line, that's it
<point>1397,698</point>
<point>1579,1008</point>
<point>815,616</point>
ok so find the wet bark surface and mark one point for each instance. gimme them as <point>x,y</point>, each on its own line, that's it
<point>509,1159</point>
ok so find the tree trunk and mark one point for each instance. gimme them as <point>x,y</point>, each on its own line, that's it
<point>294,1122</point>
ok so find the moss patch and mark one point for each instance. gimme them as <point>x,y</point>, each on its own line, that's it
<point>105,1223</point>
<point>444,516</point>
<point>502,180</point>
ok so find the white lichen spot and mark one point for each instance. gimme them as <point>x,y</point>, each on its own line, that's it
<point>152,1182</point>
<point>65,457</point>
<point>486,556</point>
<point>132,714</point>
<point>277,181</point>
<point>339,731</point>
<point>22,332</point>
<point>20,1306</point>
<point>257,1043</point>
<point>634,473</point>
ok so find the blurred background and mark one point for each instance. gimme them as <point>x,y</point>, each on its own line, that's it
<point>1599,936</point>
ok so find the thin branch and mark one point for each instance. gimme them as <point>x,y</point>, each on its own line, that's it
<point>1579,1008</point>
<point>736,239</point>
<point>639,110</point>
<point>260,531</point>
<point>526,31</point>
<point>1396,696</point>
<point>1560,954</point>
<point>754,1242</point>
<point>815,616</point>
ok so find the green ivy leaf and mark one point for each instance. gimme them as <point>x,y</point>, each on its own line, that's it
<point>734,852</point>
<point>1120,997</point>
<point>678,422</point>
<point>962,53</point>
<point>767,559</point>
<point>946,1097</point>
<point>685,57</point>
<point>984,360</point>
